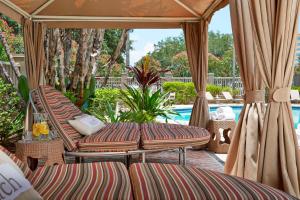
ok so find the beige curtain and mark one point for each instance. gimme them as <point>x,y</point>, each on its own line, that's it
<point>275,29</point>
<point>34,51</point>
<point>33,33</point>
<point>243,152</point>
<point>196,39</point>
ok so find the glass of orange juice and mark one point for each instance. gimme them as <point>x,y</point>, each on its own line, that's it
<point>40,129</point>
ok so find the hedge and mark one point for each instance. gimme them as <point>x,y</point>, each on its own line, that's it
<point>185,92</point>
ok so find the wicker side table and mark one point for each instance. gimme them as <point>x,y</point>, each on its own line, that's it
<point>51,151</point>
<point>216,144</point>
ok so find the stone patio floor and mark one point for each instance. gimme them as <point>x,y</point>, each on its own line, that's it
<point>196,158</point>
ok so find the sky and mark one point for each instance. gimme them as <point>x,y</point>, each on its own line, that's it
<point>144,39</point>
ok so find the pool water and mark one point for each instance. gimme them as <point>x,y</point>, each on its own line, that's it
<point>185,114</point>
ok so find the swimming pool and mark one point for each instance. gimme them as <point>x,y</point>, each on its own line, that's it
<point>185,113</point>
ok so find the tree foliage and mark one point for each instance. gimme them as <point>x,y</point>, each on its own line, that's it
<point>13,36</point>
<point>166,49</point>
<point>171,54</point>
<point>11,115</point>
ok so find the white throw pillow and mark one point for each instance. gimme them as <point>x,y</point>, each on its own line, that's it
<point>4,158</point>
<point>86,124</point>
<point>14,185</point>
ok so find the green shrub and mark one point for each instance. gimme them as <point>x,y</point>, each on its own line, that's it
<point>99,104</point>
<point>71,95</point>
<point>233,92</point>
<point>185,92</point>
<point>11,115</point>
<point>214,89</point>
<point>296,88</point>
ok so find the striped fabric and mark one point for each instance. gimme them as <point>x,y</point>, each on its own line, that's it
<point>162,181</point>
<point>26,170</point>
<point>105,180</point>
<point>155,135</point>
<point>60,110</point>
<point>113,137</point>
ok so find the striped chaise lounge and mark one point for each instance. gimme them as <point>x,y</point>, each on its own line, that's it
<point>113,138</point>
<point>118,138</point>
<point>105,180</point>
<point>166,181</point>
<point>170,136</point>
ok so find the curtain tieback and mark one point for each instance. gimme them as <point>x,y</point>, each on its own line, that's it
<point>254,96</point>
<point>279,95</point>
<point>201,94</point>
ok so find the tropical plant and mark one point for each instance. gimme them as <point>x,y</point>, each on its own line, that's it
<point>144,105</point>
<point>23,88</point>
<point>145,75</point>
<point>11,115</point>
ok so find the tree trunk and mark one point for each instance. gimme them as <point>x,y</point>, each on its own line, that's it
<point>67,45</point>
<point>98,42</point>
<point>116,54</point>
<point>80,59</point>
<point>5,74</point>
<point>85,67</point>
<point>46,50</point>
<point>51,74</point>
<point>96,50</point>
<point>9,55</point>
<point>61,56</point>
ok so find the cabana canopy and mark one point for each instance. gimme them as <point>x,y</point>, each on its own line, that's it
<point>264,147</point>
<point>111,14</point>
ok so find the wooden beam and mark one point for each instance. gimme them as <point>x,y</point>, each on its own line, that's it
<point>187,8</point>
<point>42,7</point>
<point>15,8</point>
<point>46,18</point>
<point>211,8</point>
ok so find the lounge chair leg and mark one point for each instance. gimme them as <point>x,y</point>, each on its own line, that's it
<point>78,159</point>
<point>184,156</point>
<point>127,160</point>
<point>143,157</point>
<point>179,160</point>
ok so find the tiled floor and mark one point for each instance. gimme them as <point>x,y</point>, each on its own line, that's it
<point>196,158</point>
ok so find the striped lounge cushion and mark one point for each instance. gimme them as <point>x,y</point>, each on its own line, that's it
<point>162,181</point>
<point>113,137</point>
<point>156,135</point>
<point>26,170</point>
<point>60,110</point>
<point>105,180</point>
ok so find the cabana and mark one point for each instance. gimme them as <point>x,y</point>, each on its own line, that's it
<point>264,147</point>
